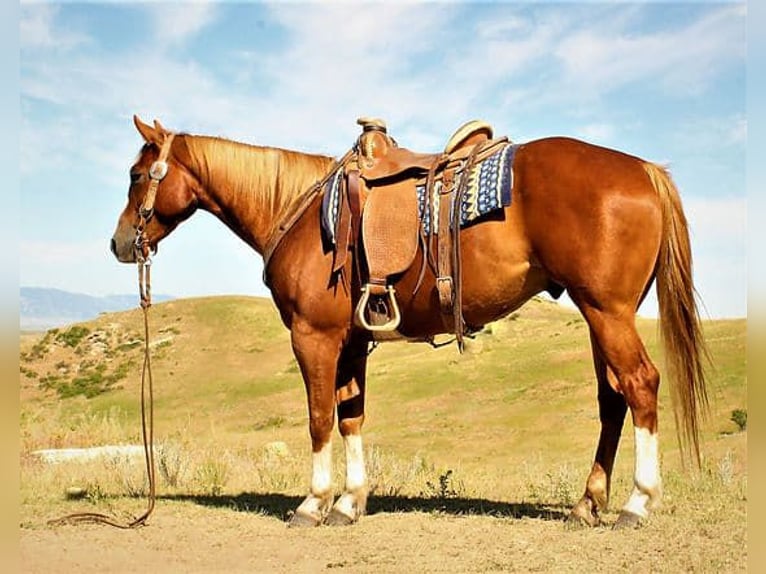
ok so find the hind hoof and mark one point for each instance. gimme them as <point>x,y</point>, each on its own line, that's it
<point>628,520</point>
<point>337,518</point>
<point>303,520</point>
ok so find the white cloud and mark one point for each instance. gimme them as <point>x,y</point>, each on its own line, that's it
<point>175,23</point>
<point>604,56</point>
<point>37,29</point>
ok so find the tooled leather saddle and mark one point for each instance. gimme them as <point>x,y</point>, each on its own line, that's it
<point>380,215</point>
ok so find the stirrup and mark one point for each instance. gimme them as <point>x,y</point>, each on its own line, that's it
<point>361,307</point>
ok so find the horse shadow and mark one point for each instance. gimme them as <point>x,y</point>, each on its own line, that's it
<point>282,506</point>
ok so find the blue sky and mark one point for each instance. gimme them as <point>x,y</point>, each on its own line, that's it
<point>666,82</point>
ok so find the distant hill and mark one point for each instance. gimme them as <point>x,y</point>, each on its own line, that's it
<point>42,308</point>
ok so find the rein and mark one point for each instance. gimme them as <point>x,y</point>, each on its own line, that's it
<point>142,248</point>
<point>147,421</point>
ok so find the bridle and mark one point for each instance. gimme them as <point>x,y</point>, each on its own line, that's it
<point>157,172</point>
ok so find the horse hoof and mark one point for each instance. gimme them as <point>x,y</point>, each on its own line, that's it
<point>585,514</point>
<point>627,520</point>
<point>337,518</point>
<point>303,520</point>
<point>576,521</point>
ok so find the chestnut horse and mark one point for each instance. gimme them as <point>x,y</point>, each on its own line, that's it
<point>596,222</point>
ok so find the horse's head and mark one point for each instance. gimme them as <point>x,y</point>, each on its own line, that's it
<point>162,194</point>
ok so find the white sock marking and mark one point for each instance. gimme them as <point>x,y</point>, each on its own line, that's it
<point>356,476</point>
<point>321,476</point>
<point>646,479</point>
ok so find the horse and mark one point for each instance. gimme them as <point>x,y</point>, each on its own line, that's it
<point>596,222</point>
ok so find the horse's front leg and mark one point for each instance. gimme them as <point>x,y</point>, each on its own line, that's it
<point>350,386</point>
<point>317,352</point>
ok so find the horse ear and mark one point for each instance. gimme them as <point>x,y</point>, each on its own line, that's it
<point>159,128</point>
<point>149,133</point>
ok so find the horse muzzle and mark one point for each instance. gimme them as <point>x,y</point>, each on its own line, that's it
<point>123,249</point>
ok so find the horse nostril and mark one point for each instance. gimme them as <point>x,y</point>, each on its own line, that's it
<point>113,246</point>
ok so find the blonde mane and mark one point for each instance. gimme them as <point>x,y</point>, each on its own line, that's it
<point>267,179</point>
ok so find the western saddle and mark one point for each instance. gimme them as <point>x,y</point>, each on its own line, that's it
<point>380,215</point>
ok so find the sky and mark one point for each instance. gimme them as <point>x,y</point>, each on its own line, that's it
<point>663,81</point>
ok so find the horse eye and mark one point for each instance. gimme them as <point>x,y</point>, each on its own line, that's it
<point>135,177</point>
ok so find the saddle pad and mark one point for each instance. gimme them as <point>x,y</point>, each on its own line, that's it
<point>331,205</point>
<point>489,188</point>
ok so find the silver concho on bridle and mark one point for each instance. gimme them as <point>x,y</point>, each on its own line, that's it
<point>158,170</point>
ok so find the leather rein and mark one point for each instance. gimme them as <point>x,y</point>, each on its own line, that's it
<point>142,249</point>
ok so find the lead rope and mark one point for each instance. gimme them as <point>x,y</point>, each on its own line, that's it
<point>147,429</point>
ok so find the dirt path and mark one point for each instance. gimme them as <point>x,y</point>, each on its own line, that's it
<point>187,537</point>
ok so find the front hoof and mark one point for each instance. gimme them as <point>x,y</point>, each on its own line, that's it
<point>583,515</point>
<point>338,518</point>
<point>628,520</point>
<point>303,520</point>
<point>576,521</point>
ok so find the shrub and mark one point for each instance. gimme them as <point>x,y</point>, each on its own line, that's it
<point>739,417</point>
<point>72,336</point>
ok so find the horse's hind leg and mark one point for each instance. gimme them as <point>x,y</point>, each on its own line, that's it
<point>638,381</point>
<point>612,409</point>
<point>352,368</point>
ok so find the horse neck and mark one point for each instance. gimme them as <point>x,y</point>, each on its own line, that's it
<point>251,188</point>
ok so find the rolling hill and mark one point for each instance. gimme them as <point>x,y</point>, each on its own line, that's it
<point>226,362</point>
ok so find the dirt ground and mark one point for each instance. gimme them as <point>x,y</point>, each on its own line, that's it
<point>212,535</point>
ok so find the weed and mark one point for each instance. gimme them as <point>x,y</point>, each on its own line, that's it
<point>555,488</point>
<point>445,487</point>
<point>388,476</point>
<point>173,463</point>
<point>739,417</point>
<point>211,476</point>
<point>95,493</point>
<point>131,477</point>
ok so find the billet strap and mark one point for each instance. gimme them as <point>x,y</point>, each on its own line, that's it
<point>444,283</point>
<point>457,260</point>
